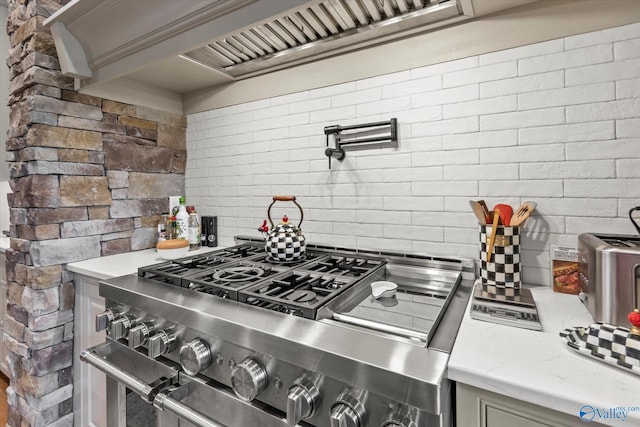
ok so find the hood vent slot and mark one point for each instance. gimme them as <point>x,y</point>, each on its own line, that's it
<point>320,29</point>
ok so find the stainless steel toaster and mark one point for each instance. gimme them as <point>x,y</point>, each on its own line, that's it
<point>609,276</point>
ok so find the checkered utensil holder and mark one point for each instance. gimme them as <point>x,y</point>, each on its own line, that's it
<point>500,274</point>
<point>607,343</point>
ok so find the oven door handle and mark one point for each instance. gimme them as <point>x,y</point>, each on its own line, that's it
<point>180,410</point>
<point>135,384</point>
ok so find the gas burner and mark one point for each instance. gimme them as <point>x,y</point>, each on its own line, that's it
<point>297,292</point>
<point>173,271</point>
<point>226,280</point>
<point>238,274</point>
<point>345,266</point>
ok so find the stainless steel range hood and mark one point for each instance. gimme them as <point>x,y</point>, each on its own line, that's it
<point>181,47</point>
<point>318,29</point>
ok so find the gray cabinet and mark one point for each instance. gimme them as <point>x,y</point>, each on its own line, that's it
<point>480,408</point>
<point>89,388</point>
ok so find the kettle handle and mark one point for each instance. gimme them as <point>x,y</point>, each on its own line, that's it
<point>635,224</point>
<point>284,199</point>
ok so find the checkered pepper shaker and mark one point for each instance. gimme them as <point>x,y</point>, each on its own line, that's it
<point>500,272</point>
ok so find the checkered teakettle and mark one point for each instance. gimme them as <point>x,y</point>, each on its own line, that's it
<point>285,242</point>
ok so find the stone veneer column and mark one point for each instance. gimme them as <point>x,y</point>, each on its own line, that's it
<point>90,177</point>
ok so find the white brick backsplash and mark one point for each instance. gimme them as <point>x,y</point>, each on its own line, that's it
<point>629,88</point>
<point>395,203</point>
<point>608,188</point>
<point>463,235</point>
<point>628,108</point>
<point>500,138</point>
<point>627,49</point>
<point>628,168</point>
<point>431,188</point>
<point>383,217</point>
<point>285,99</point>
<point>444,127</point>
<point>598,130</point>
<point>556,122</point>
<point>438,158</point>
<point>528,51</point>
<point>481,172</point>
<point>426,114</point>
<point>628,128</point>
<point>431,234</point>
<point>445,67</point>
<point>331,115</point>
<point>374,189</point>
<point>609,71</point>
<point>384,80</point>
<point>523,119</point>
<point>485,73</point>
<point>358,229</point>
<point>410,87</point>
<point>523,153</point>
<point>332,90</point>
<point>289,120</point>
<point>385,107</point>
<point>439,219</point>
<point>602,149</point>
<point>579,225</point>
<point>566,60</point>
<point>603,36</point>
<point>523,188</point>
<point>576,169</point>
<point>267,113</point>
<point>385,160</point>
<point>445,96</point>
<point>480,107</point>
<point>358,97</point>
<point>567,96</point>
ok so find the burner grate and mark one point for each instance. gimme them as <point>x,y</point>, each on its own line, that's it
<point>228,279</point>
<point>172,272</point>
<point>345,266</point>
<point>300,293</point>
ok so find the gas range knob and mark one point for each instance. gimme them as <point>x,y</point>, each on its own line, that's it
<point>195,356</point>
<point>400,416</point>
<point>162,342</point>
<point>139,334</point>
<point>120,326</point>
<point>302,400</point>
<point>347,411</point>
<point>248,379</point>
<point>104,319</point>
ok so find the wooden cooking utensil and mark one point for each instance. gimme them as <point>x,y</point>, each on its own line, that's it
<point>522,213</point>
<point>485,209</point>
<point>494,229</point>
<point>477,210</point>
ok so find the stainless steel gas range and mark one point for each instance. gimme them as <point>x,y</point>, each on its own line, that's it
<point>230,338</point>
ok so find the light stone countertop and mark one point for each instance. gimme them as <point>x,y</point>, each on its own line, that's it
<point>4,244</point>
<point>538,367</point>
<point>122,264</point>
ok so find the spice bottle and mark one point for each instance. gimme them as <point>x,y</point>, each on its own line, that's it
<point>182,221</point>
<point>194,229</point>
